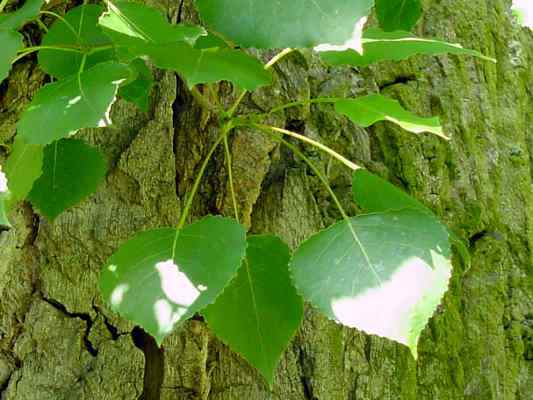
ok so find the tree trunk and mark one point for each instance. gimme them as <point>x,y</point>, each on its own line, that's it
<point>59,341</point>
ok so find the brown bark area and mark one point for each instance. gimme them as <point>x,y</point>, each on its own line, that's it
<point>58,341</point>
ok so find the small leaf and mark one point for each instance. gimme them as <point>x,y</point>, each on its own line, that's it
<point>138,91</point>
<point>279,24</point>
<point>162,277</point>
<point>72,170</point>
<point>365,111</point>
<point>18,18</point>
<point>259,312</point>
<point>10,43</point>
<point>382,273</point>
<point>78,29</point>
<point>133,26</point>
<point>22,169</point>
<point>398,15</point>
<point>4,194</point>
<point>395,46</point>
<point>77,102</point>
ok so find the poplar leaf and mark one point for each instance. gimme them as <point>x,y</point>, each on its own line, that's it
<point>62,108</point>
<point>162,277</point>
<point>79,28</point>
<point>18,18</point>
<point>367,110</point>
<point>278,24</point>
<point>398,15</point>
<point>394,46</point>
<point>10,43</point>
<point>259,312</point>
<point>382,273</point>
<point>72,170</point>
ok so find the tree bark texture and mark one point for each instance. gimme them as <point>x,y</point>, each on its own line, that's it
<point>59,341</point>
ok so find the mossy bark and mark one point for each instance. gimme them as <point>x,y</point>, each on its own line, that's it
<point>58,341</point>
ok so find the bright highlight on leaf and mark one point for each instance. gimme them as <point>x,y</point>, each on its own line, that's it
<point>368,110</point>
<point>4,194</point>
<point>279,24</point>
<point>259,312</point>
<point>398,15</point>
<point>60,109</point>
<point>78,29</point>
<point>22,169</point>
<point>72,170</point>
<point>524,11</point>
<point>380,46</point>
<point>382,273</point>
<point>160,278</point>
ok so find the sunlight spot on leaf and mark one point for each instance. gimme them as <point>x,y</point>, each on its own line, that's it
<point>118,293</point>
<point>354,42</point>
<point>73,101</point>
<point>112,268</point>
<point>3,182</point>
<point>524,10</point>
<point>176,285</point>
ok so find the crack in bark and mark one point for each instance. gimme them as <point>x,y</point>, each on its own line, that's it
<point>154,364</point>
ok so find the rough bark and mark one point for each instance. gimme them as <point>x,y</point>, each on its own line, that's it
<point>58,341</point>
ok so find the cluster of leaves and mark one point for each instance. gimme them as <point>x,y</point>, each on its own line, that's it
<point>383,272</point>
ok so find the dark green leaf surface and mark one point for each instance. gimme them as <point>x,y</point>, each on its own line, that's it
<point>366,111</point>
<point>259,312</point>
<point>10,43</point>
<point>62,108</point>
<point>24,14</point>
<point>382,273</point>
<point>138,91</point>
<point>158,282</point>
<point>72,170</point>
<point>279,24</point>
<point>80,30</point>
<point>22,169</point>
<point>133,26</point>
<point>398,15</point>
<point>395,46</point>
<point>4,194</point>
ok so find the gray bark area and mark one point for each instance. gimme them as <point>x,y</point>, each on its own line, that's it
<point>59,341</point>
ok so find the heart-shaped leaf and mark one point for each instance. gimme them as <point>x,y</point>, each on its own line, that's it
<point>26,13</point>
<point>259,312</point>
<point>380,46</point>
<point>279,24</point>
<point>382,273</point>
<point>162,277</point>
<point>366,111</point>
<point>22,169</point>
<point>398,15</point>
<point>10,43</point>
<point>79,29</point>
<point>72,170</point>
<point>82,101</point>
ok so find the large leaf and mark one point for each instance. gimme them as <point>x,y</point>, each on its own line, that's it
<point>133,26</point>
<point>379,46</point>
<point>4,194</point>
<point>368,110</point>
<point>26,13</point>
<point>382,273</point>
<point>10,43</point>
<point>278,24</point>
<point>161,277</point>
<point>62,108</point>
<point>72,170</point>
<point>79,28</point>
<point>398,15</point>
<point>259,312</point>
<point>138,91</point>
<point>22,169</point>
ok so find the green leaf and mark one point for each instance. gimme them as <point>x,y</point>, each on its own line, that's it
<point>18,18</point>
<point>382,273</point>
<point>259,312</point>
<point>10,43</point>
<point>78,29</point>
<point>138,91</point>
<point>210,41</point>
<point>73,103</point>
<point>72,170</point>
<point>133,26</point>
<point>395,46</point>
<point>279,24</point>
<point>22,169</point>
<point>4,194</point>
<point>366,111</point>
<point>162,277</point>
<point>398,15</point>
